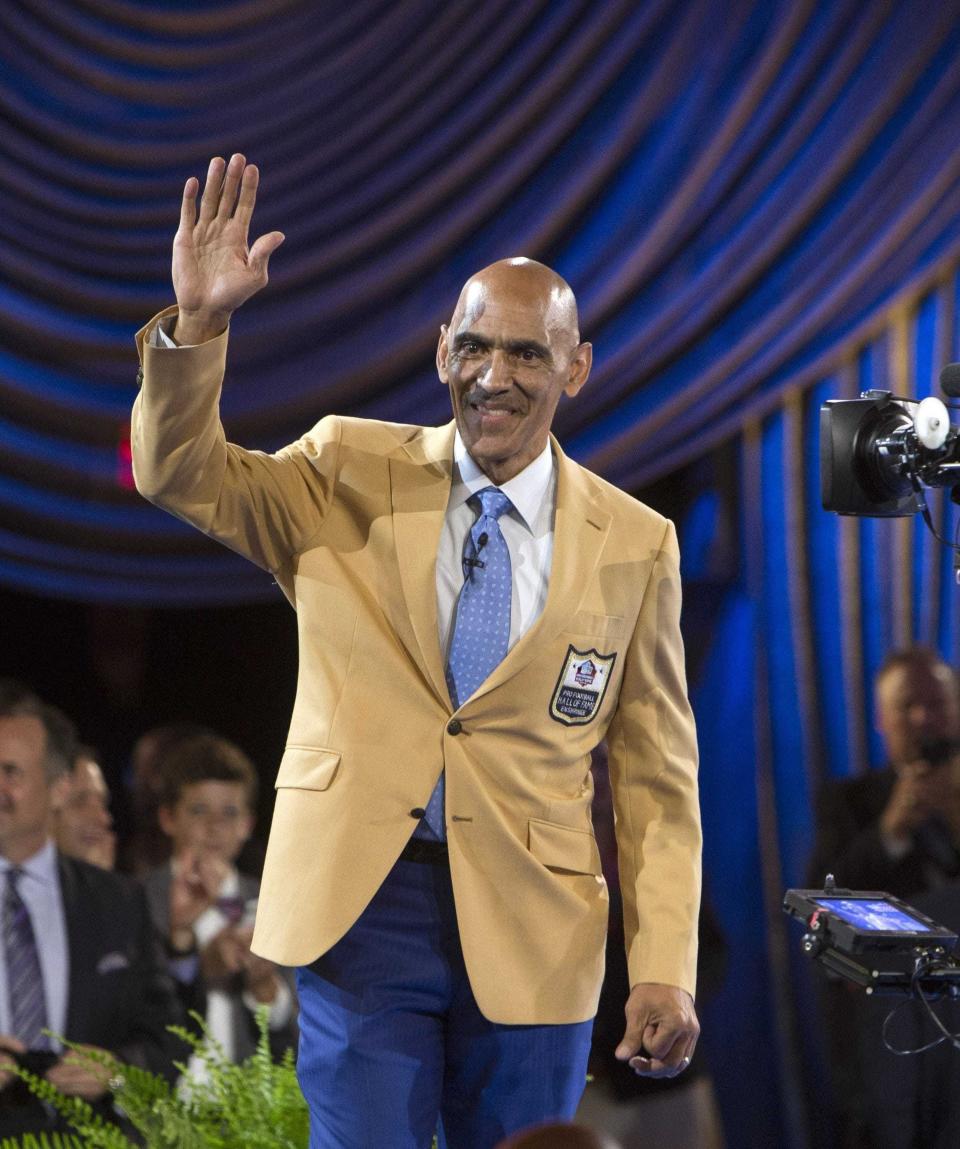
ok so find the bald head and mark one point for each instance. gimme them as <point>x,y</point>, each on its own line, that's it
<point>511,349</point>
<point>524,280</point>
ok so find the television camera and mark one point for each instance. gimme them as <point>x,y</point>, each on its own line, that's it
<point>879,453</point>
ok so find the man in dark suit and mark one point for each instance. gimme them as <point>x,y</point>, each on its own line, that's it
<point>897,829</point>
<point>78,953</point>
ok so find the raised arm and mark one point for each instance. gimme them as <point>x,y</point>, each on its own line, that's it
<point>262,506</point>
<point>214,271</point>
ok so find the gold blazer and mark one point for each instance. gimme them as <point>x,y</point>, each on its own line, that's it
<point>348,520</point>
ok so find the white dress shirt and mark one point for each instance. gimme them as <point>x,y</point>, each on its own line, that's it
<point>39,887</point>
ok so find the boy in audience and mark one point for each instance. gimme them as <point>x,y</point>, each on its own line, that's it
<point>204,908</point>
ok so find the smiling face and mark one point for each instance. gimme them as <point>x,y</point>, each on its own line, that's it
<point>510,351</point>
<point>27,796</point>
<point>83,827</point>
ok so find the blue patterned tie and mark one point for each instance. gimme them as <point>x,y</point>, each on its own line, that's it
<point>28,1013</point>
<point>481,629</point>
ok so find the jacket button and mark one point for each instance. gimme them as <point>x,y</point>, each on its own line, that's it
<point>454,726</point>
<point>417,812</point>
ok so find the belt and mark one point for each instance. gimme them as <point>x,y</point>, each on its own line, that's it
<point>425,850</point>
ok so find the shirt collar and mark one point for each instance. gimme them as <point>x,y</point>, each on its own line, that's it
<point>529,492</point>
<point>41,866</point>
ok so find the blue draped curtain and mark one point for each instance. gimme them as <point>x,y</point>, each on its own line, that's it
<point>758,205</point>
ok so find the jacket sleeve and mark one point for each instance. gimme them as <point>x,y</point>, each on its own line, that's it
<point>653,773</point>
<point>264,506</point>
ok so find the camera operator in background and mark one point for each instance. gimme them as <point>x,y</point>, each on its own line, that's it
<point>895,829</point>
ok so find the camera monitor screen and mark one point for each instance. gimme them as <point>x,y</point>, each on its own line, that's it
<point>874,914</point>
<point>865,921</point>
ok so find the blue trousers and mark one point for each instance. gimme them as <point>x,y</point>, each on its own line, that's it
<point>393,1047</point>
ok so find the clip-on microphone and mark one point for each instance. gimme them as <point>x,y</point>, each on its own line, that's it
<point>475,562</point>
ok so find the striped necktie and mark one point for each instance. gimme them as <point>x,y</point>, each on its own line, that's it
<point>28,1012</point>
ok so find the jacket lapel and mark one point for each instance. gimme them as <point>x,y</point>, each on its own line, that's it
<point>78,958</point>
<point>420,480</point>
<point>580,532</point>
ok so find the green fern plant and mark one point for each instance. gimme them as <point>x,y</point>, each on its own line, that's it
<point>42,1141</point>
<point>254,1104</point>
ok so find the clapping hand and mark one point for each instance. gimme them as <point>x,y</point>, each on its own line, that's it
<point>194,885</point>
<point>214,271</point>
<point>78,1076</point>
<point>922,790</point>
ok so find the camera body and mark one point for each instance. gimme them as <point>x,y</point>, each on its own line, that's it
<point>878,452</point>
<point>855,477</point>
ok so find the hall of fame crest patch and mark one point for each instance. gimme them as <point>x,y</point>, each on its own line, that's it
<point>581,686</point>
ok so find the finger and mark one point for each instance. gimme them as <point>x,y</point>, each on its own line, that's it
<point>231,181</point>
<point>188,205</point>
<point>211,190</point>
<point>631,1042</point>
<point>671,1062</point>
<point>652,1067</point>
<point>261,251</point>
<point>687,1057</point>
<point>663,1045</point>
<point>248,196</point>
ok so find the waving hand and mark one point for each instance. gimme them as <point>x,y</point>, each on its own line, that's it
<point>214,271</point>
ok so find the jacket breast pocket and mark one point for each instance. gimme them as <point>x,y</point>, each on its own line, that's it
<point>598,625</point>
<point>563,848</point>
<point>307,768</point>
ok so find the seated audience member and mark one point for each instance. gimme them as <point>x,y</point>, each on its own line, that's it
<point>144,846</point>
<point>204,907</point>
<point>895,829</point>
<point>78,953</point>
<point>83,826</point>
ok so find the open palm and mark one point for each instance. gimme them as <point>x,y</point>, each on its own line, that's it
<point>214,270</point>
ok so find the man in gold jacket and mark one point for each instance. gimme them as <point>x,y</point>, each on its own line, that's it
<point>431,867</point>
